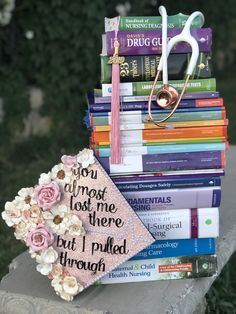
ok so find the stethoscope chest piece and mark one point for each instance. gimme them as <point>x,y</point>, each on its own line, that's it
<point>167,97</point>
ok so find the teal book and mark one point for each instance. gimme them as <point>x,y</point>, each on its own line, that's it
<point>136,117</point>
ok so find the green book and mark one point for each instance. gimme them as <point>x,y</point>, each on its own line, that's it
<point>124,23</point>
<point>144,88</point>
<point>144,68</point>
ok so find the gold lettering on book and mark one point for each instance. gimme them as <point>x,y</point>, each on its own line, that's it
<point>116,60</point>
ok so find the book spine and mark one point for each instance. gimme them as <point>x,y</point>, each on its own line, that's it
<point>135,117</point>
<point>182,223</point>
<point>144,68</point>
<point>165,162</point>
<point>170,125</point>
<point>173,199</point>
<point>167,184</point>
<point>144,136</point>
<point>163,269</point>
<point>125,23</point>
<point>173,248</point>
<point>144,88</point>
<point>145,42</point>
<point>161,149</point>
<point>98,99</point>
<point>142,105</point>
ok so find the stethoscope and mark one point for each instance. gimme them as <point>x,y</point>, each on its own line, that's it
<point>167,96</point>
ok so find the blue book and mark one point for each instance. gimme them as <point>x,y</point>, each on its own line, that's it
<point>173,248</point>
<point>154,184</point>
<point>159,110</point>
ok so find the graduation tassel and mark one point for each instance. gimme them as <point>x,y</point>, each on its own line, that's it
<point>115,60</point>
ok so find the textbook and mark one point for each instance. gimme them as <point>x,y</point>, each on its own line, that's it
<point>183,267</point>
<point>143,105</point>
<point>96,95</point>
<point>173,199</point>
<point>145,42</point>
<point>173,248</point>
<point>165,162</point>
<point>163,135</point>
<point>182,223</point>
<point>161,149</point>
<point>168,174</point>
<point>138,116</point>
<point>144,68</point>
<point>159,183</point>
<point>169,143</point>
<point>166,125</point>
<point>124,23</point>
<point>144,88</point>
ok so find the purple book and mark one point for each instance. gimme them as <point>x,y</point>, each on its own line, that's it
<point>165,162</point>
<point>203,95</point>
<point>174,199</point>
<point>144,42</point>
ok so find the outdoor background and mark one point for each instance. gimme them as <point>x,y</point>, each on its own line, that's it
<point>49,58</point>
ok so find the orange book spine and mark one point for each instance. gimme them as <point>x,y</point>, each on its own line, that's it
<point>152,135</point>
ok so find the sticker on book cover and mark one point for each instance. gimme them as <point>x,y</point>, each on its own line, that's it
<point>77,225</point>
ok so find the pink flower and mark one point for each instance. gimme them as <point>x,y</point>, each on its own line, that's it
<point>47,195</point>
<point>69,161</point>
<point>39,238</point>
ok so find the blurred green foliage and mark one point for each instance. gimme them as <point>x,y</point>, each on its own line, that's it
<point>62,59</point>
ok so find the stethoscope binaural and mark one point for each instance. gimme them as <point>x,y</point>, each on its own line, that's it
<point>167,96</point>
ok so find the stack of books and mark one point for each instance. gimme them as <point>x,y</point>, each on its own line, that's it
<point>170,176</point>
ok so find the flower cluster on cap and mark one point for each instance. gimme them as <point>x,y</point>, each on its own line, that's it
<point>38,215</point>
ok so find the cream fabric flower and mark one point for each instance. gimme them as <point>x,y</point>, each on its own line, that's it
<point>75,228</point>
<point>26,195</point>
<point>49,256</point>
<point>46,260</point>
<point>65,296</point>
<point>11,214</point>
<point>61,174</point>
<point>44,269</point>
<point>66,287</point>
<point>22,229</point>
<point>70,285</point>
<point>57,218</point>
<point>85,158</point>
<point>56,283</point>
<point>57,270</point>
<point>45,178</point>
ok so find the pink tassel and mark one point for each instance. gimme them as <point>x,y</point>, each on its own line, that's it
<point>115,107</point>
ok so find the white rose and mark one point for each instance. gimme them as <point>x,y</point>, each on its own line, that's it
<point>85,157</point>
<point>65,296</point>
<point>70,285</point>
<point>49,256</point>
<point>44,269</point>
